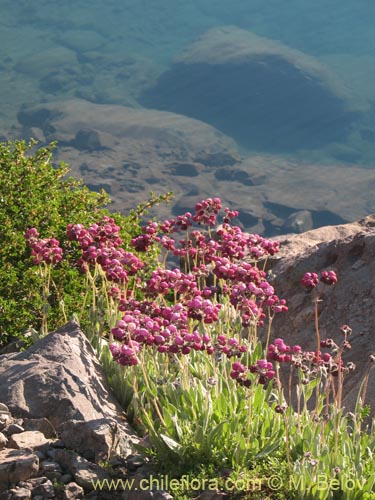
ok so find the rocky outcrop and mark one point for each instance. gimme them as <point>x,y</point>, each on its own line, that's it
<point>34,466</point>
<point>17,465</point>
<point>267,96</point>
<point>62,433</point>
<point>60,379</point>
<point>350,251</point>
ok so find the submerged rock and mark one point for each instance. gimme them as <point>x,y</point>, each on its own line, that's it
<point>130,152</point>
<point>265,95</point>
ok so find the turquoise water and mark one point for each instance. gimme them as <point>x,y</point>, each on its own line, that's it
<point>111,52</point>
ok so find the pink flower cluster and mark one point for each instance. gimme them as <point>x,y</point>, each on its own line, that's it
<point>231,257</point>
<point>311,280</point>
<point>101,244</point>
<point>149,236</point>
<point>147,324</point>
<point>43,249</point>
<point>206,211</point>
<point>163,328</point>
<point>176,303</point>
<point>328,277</point>
<point>282,353</point>
<point>164,281</point>
<point>310,361</point>
<point>263,368</point>
<point>229,346</point>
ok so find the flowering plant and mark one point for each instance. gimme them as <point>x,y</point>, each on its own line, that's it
<point>189,350</point>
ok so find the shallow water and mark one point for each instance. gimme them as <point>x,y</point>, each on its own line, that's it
<point>114,51</point>
<point>107,52</point>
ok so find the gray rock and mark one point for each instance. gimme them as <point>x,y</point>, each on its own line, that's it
<point>66,478</point>
<point>141,127</point>
<point>47,466</point>
<point>20,494</point>
<point>351,301</point>
<point>232,174</point>
<point>183,169</point>
<point>54,476</point>
<point>81,40</point>
<point>72,491</point>
<point>45,489</point>
<point>59,443</point>
<point>42,425</point>
<point>42,63</point>
<point>51,470</point>
<point>51,453</point>
<point>17,465</point>
<point>85,473</point>
<point>14,429</point>
<point>94,440</point>
<point>135,461</point>
<point>5,420</point>
<point>87,140</point>
<point>3,441</point>
<point>33,440</point>
<point>59,378</point>
<point>266,95</point>
<point>16,345</point>
<point>60,80</point>
<point>299,222</point>
<point>36,481</point>
<point>216,159</point>
<point>41,455</point>
<point>40,117</point>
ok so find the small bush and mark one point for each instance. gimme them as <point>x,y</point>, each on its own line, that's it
<point>34,193</point>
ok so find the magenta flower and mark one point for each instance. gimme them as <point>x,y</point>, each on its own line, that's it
<point>207,210</point>
<point>310,280</point>
<point>328,277</point>
<point>43,250</point>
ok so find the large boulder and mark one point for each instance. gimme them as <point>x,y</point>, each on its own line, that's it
<point>349,250</point>
<point>262,93</point>
<point>17,465</point>
<point>86,126</point>
<point>60,378</point>
<point>130,152</point>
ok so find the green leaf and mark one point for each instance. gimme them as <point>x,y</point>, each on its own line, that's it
<point>171,443</point>
<point>219,432</point>
<point>240,452</point>
<point>267,450</point>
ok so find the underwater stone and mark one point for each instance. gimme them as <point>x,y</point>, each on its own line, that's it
<point>87,140</point>
<point>263,94</point>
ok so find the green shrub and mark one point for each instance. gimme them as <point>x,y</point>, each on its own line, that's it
<point>34,193</point>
